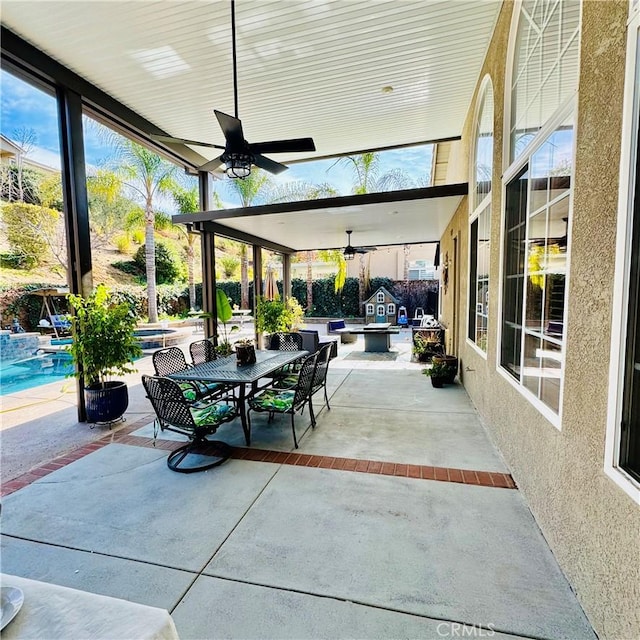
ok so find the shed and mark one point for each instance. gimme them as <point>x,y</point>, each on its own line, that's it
<point>380,307</point>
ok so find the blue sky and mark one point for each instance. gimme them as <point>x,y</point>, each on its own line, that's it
<point>24,106</point>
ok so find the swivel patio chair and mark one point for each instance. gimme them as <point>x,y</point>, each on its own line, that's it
<point>197,421</point>
<point>172,360</point>
<point>273,400</point>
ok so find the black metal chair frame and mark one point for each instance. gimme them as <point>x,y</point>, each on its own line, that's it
<point>286,341</point>
<point>174,413</point>
<point>172,360</point>
<point>302,395</point>
<point>320,374</point>
<point>202,351</point>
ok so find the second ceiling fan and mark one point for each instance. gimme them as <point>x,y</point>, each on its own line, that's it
<point>239,155</point>
<point>350,251</point>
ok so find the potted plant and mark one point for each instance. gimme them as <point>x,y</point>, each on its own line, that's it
<point>104,345</point>
<point>440,374</point>
<point>451,361</point>
<point>273,316</point>
<point>425,348</point>
<point>224,313</point>
<point>245,351</point>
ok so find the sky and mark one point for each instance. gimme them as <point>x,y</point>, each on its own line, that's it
<point>24,106</point>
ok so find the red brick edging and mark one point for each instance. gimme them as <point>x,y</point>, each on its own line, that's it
<point>419,472</point>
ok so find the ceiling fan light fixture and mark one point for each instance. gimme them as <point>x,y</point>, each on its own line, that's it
<point>237,165</point>
<point>349,253</point>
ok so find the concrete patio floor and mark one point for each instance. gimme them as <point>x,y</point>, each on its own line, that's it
<point>396,518</point>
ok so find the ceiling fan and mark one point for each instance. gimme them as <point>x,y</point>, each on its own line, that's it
<point>239,155</point>
<point>350,251</point>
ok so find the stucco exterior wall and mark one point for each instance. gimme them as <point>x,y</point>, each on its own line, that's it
<point>592,526</point>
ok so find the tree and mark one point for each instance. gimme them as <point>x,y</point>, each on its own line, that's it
<point>188,201</point>
<point>32,230</point>
<point>147,175</point>
<point>299,191</point>
<point>252,190</point>
<point>367,178</point>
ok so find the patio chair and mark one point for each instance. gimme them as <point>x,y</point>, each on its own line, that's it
<point>320,374</point>
<point>273,400</point>
<point>319,377</point>
<point>284,341</point>
<point>172,360</point>
<point>197,421</point>
<point>202,351</point>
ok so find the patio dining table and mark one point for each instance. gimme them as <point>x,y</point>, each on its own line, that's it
<point>228,371</point>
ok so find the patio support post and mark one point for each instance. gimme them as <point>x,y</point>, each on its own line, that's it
<point>257,285</point>
<point>207,240</point>
<point>286,275</point>
<point>76,207</point>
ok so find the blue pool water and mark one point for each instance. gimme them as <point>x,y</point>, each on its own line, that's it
<point>34,371</point>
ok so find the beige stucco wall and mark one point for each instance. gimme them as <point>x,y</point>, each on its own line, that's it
<point>592,526</point>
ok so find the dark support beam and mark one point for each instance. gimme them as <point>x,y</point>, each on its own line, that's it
<point>208,263</point>
<point>257,284</point>
<point>240,236</point>
<point>209,284</point>
<point>76,207</point>
<point>286,275</point>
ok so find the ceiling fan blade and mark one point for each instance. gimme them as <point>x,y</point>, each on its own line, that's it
<point>284,146</point>
<point>211,165</point>
<point>232,129</point>
<point>183,141</point>
<point>268,165</point>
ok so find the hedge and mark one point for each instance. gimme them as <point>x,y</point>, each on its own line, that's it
<point>173,300</point>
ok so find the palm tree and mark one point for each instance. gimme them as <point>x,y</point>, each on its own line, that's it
<point>252,190</point>
<point>367,178</point>
<point>148,176</point>
<point>188,201</point>
<point>298,191</point>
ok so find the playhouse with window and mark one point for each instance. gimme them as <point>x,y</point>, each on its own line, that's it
<point>381,307</point>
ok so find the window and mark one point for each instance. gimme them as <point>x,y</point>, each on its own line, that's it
<point>622,462</point>
<point>380,310</point>
<point>380,297</point>
<point>630,425</point>
<point>480,221</point>
<point>391,309</point>
<point>538,200</point>
<point>370,309</point>
<point>545,66</point>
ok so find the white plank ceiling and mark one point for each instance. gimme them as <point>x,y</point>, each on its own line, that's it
<point>305,67</point>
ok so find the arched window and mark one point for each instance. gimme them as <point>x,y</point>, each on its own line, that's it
<point>537,209</point>
<point>545,66</point>
<point>480,218</point>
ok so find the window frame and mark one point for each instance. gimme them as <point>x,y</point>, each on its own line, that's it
<point>629,180</point>
<point>511,169</point>
<point>475,212</point>
<point>370,310</point>
<point>391,308</point>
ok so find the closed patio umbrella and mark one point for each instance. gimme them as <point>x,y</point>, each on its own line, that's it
<point>270,290</point>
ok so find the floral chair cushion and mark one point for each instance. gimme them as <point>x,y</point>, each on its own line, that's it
<point>188,391</point>
<point>287,382</point>
<point>273,400</point>
<point>212,413</point>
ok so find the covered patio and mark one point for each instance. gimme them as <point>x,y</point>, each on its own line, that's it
<point>396,517</point>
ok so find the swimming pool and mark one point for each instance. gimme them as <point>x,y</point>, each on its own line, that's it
<point>34,371</point>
